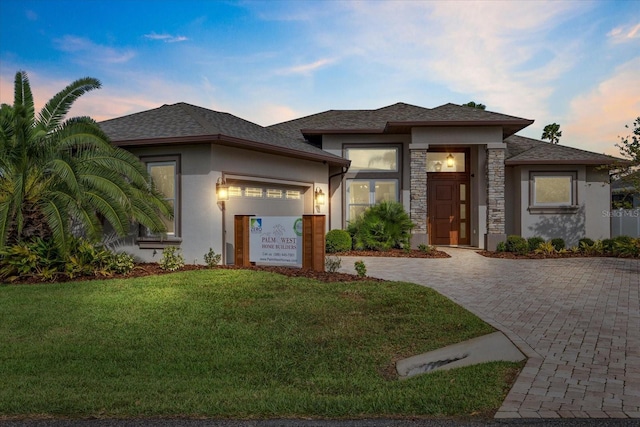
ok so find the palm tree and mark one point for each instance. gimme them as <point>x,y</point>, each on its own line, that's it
<point>55,172</point>
<point>552,132</point>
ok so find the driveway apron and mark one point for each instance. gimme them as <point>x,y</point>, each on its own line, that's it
<point>577,320</point>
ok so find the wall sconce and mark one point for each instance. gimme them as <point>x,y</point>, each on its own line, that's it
<point>319,196</point>
<point>450,160</point>
<point>438,166</point>
<point>222,190</point>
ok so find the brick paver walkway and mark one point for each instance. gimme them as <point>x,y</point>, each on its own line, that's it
<point>577,319</point>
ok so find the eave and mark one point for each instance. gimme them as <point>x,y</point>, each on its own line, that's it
<point>229,141</point>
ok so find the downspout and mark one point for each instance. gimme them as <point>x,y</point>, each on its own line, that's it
<point>342,173</point>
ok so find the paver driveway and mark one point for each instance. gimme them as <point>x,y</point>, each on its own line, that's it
<point>577,319</point>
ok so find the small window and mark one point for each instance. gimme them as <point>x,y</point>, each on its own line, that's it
<point>235,191</point>
<point>253,192</point>
<point>555,190</point>
<point>273,193</point>
<point>293,194</point>
<point>373,159</point>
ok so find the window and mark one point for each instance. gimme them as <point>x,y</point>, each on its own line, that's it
<point>373,177</point>
<point>373,159</point>
<point>552,192</point>
<point>165,173</point>
<point>364,193</point>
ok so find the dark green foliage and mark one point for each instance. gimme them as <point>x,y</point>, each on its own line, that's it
<point>44,260</point>
<point>534,243</point>
<point>558,244</point>
<point>623,239</point>
<point>502,247</point>
<point>382,227</point>
<point>517,244</point>
<point>609,245</point>
<point>628,249</point>
<point>337,241</point>
<point>211,258</point>
<point>585,241</point>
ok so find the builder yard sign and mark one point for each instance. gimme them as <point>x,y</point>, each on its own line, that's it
<point>276,240</point>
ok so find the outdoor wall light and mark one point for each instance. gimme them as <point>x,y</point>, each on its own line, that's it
<point>450,160</point>
<point>222,190</point>
<point>319,196</point>
<point>438,166</point>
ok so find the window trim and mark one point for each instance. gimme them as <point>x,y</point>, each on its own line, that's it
<point>161,240</point>
<point>550,208</point>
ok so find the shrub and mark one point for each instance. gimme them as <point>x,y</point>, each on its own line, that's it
<point>501,247</point>
<point>558,243</point>
<point>332,263</point>
<point>337,241</point>
<point>517,244</point>
<point>211,258</point>
<point>172,259</point>
<point>425,248</point>
<point>629,249</point>
<point>609,246</point>
<point>587,242</point>
<point>546,248</point>
<point>595,248</point>
<point>623,239</point>
<point>381,227</point>
<point>42,259</point>
<point>120,262</point>
<point>534,243</point>
<point>361,269</point>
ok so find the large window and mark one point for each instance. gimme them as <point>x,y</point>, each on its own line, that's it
<point>364,193</point>
<point>374,177</point>
<point>552,191</point>
<point>165,173</point>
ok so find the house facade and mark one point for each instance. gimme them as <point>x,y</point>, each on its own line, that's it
<point>463,174</point>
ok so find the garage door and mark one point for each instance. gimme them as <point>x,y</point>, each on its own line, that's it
<point>258,198</point>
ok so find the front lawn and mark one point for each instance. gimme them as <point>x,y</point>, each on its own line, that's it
<point>235,343</point>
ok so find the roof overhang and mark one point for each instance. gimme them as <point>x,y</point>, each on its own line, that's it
<point>509,127</point>
<point>591,162</point>
<point>225,140</point>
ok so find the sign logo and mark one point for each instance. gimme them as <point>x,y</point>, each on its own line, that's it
<point>255,225</point>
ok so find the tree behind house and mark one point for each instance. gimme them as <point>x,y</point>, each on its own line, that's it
<point>552,132</point>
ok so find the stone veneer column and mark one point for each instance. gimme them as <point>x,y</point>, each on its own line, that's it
<point>418,198</point>
<point>495,198</point>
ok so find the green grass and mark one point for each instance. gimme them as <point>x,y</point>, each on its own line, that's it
<point>234,343</point>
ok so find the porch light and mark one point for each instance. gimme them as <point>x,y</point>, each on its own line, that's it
<point>222,190</point>
<point>438,166</point>
<point>450,160</point>
<point>319,196</point>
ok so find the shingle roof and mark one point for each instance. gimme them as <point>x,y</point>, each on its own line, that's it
<point>185,123</point>
<point>397,118</point>
<point>522,150</point>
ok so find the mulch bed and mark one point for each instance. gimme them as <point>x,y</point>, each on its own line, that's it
<point>153,269</point>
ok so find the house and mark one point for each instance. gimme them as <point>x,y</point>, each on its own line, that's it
<point>463,174</point>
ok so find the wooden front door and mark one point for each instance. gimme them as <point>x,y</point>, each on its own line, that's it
<point>448,209</point>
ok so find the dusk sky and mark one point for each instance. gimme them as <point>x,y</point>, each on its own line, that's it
<point>576,63</point>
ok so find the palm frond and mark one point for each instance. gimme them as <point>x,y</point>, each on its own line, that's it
<point>23,98</point>
<point>57,108</point>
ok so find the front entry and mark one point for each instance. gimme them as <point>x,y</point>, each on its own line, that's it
<point>448,208</point>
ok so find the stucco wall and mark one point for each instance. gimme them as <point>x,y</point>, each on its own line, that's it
<point>201,216</point>
<point>593,197</point>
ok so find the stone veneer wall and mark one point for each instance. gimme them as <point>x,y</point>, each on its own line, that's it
<point>495,191</point>
<point>419,191</point>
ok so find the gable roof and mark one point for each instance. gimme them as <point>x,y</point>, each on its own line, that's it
<point>397,118</point>
<point>528,151</point>
<point>183,123</point>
